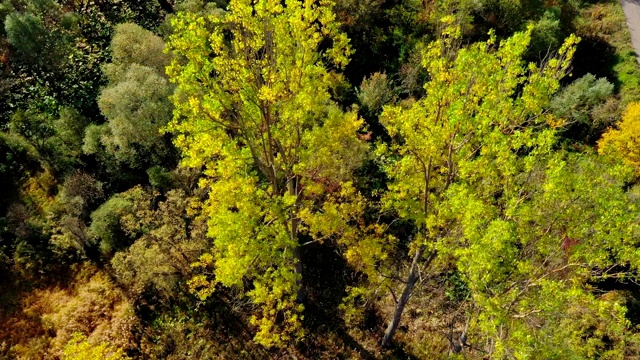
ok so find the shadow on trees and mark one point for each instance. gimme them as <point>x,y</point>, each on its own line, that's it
<point>631,288</point>
<point>326,276</point>
<point>184,328</point>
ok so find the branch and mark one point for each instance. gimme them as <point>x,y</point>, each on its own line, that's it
<point>395,299</point>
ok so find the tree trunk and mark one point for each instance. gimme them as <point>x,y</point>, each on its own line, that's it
<point>291,187</point>
<point>406,294</point>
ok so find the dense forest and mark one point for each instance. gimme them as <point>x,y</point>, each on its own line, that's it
<point>318,179</point>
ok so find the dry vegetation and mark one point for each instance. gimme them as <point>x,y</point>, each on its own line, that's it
<point>44,320</point>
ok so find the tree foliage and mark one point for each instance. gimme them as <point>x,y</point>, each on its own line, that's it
<point>253,108</point>
<point>481,108</point>
<point>169,241</point>
<point>534,261</point>
<point>477,152</point>
<point>69,215</point>
<point>578,105</point>
<point>79,348</point>
<point>106,229</point>
<point>136,101</point>
<point>53,141</point>
<point>466,210</point>
<point>35,37</point>
<point>623,141</point>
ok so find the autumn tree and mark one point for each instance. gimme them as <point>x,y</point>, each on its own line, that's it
<point>481,109</point>
<point>253,108</point>
<point>623,142</point>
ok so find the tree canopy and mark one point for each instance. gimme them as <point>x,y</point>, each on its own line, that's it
<point>253,107</point>
<point>318,179</point>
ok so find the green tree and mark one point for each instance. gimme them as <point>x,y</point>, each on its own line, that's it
<point>43,34</point>
<point>136,108</point>
<point>547,33</point>
<point>136,101</point>
<point>52,51</point>
<point>53,141</point>
<point>69,215</point>
<point>481,108</point>
<point>132,44</point>
<point>578,104</point>
<point>35,128</point>
<point>375,92</point>
<point>106,223</point>
<point>16,163</point>
<point>253,108</point>
<point>69,128</point>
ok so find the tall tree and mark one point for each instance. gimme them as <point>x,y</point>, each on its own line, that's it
<point>482,108</point>
<point>254,109</point>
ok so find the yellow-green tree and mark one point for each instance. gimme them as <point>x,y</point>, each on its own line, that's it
<point>482,111</point>
<point>253,109</point>
<point>625,140</point>
<point>531,229</point>
<point>539,259</point>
